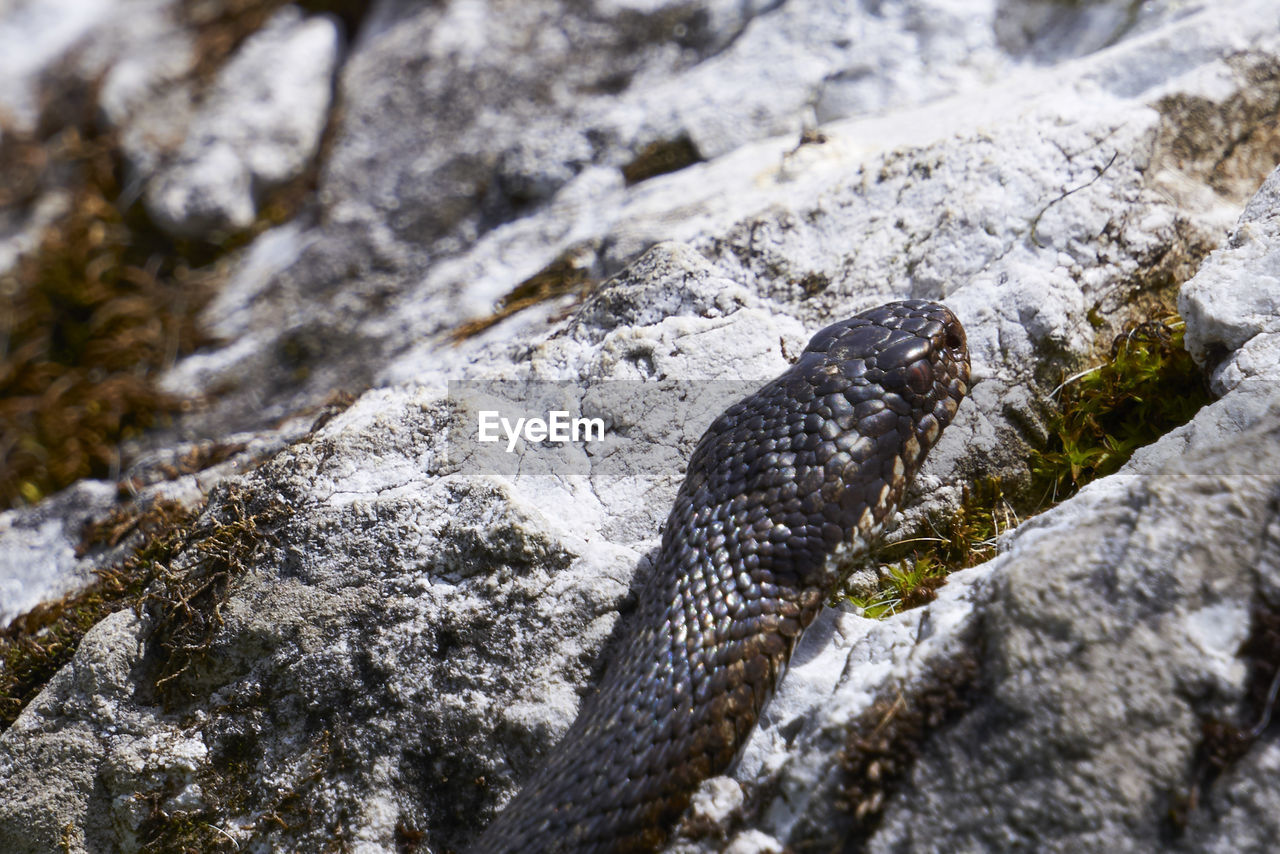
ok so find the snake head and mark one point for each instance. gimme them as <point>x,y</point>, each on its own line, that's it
<point>886,382</point>
<point>815,461</point>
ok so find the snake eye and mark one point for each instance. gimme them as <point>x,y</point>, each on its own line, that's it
<point>901,354</point>
<point>920,376</point>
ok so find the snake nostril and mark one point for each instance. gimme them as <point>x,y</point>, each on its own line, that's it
<point>955,336</point>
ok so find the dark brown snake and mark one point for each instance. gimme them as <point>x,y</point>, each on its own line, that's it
<point>808,467</point>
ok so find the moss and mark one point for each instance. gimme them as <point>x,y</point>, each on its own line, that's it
<point>37,644</point>
<point>1147,386</point>
<point>918,566</point>
<point>228,785</point>
<point>566,275</point>
<point>813,283</point>
<point>232,787</point>
<point>106,301</point>
<point>95,312</point>
<point>409,840</point>
<point>181,833</point>
<point>659,158</point>
<point>884,744</point>
<point>185,606</point>
<point>180,571</point>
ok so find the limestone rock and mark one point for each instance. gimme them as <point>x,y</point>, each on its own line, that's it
<point>258,128</point>
<point>365,641</point>
<point>1232,307</point>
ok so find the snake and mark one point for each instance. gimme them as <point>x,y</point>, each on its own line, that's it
<point>783,488</point>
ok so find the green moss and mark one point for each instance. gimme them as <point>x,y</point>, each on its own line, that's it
<point>917,567</point>
<point>1147,386</point>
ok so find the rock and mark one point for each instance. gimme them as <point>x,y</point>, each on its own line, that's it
<point>364,641</point>
<point>213,192</point>
<point>1080,666</point>
<point>1092,655</point>
<point>102,736</point>
<point>1053,30</point>
<point>53,55</point>
<point>52,52</point>
<point>1232,306</point>
<point>512,173</point>
<point>37,548</point>
<point>35,34</point>
<point>259,128</point>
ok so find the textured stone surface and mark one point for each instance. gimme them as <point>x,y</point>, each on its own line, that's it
<point>1232,306</point>
<point>404,640</point>
<point>258,128</point>
<point>40,36</point>
<point>37,548</point>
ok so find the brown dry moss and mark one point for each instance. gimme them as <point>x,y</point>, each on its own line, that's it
<point>106,300</point>
<point>37,644</point>
<point>183,597</point>
<point>226,785</point>
<point>185,605</point>
<point>883,746</point>
<point>659,158</point>
<point>567,275</point>
<point>180,572</point>
<point>95,312</point>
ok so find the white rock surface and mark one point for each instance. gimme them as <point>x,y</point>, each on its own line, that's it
<point>1232,306</point>
<point>35,34</point>
<point>37,548</point>
<point>47,43</point>
<point>258,128</point>
<point>408,638</point>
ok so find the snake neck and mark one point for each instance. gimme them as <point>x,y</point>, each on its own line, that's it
<point>781,484</point>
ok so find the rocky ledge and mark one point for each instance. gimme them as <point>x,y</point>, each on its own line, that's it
<point>339,637</point>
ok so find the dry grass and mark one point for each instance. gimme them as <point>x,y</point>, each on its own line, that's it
<point>37,644</point>
<point>92,315</point>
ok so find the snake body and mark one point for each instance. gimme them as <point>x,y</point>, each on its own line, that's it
<point>809,466</point>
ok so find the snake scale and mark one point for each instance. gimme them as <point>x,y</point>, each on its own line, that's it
<point>808,467</point>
